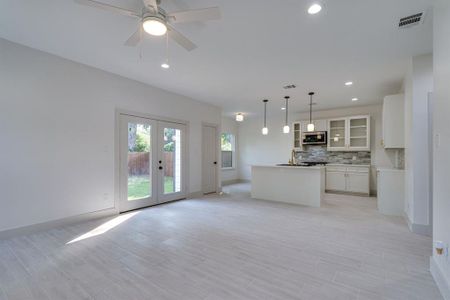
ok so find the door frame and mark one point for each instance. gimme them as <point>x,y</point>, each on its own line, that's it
<point>118,112</point>
<point>218,156</point>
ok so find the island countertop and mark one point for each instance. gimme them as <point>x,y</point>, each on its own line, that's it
<point>290,184</point>
<point>289,167</point>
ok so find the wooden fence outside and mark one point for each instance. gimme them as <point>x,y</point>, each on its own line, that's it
<point>139,164</point>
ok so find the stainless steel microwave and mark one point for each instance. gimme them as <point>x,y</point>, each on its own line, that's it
<point>314,138</point>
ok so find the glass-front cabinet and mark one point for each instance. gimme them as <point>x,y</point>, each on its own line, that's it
<point>337,134</point>
<point>349,134</point>
<point>297,136</point>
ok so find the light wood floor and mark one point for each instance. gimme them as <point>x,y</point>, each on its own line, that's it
<point>228,247</point>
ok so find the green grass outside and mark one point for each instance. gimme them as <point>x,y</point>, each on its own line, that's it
<point>140,187</point>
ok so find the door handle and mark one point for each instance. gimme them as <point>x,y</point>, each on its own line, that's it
<point>160,167</point>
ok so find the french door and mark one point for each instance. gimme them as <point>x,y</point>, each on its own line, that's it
<point>152,162</point>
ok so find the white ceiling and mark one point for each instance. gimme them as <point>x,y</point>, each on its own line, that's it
<point>256,48</point>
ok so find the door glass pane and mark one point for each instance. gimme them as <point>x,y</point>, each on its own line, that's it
<point>139,161</point>
<point>172,160</point>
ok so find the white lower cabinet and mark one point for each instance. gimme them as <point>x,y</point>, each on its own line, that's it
<point>353,179</point>
<point>391,191</point>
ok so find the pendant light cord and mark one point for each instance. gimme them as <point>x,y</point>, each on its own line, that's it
<point>310,109</point>
<point>167,47</point>
<point>265,113</point>
<point>287,110</point>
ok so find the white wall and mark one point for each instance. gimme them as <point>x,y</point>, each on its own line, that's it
<point>441,187</point>
<point>229,125</point>
<point>276,147</point>
<point>418,84</point>
<point>57,122</point>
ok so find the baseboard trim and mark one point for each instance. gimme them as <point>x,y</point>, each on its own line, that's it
<point>29,229</point>
<point>441,282</point>
<point>230,182</point>
<point>193,195</point>
<point>419,228</point>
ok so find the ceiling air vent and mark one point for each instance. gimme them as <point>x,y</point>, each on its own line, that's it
<point>411,20</point>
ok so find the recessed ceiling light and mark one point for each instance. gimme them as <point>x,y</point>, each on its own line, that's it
<point>349,83</point>
<point>314,9</point>
<point>165,66</point>
<point>355,99</point>
<point>283,108</point>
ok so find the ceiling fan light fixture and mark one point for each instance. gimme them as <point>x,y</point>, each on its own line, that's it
<point>314,9</point>
<point>154,26</point>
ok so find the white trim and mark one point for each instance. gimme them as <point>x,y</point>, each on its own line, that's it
<point>29,229</point>
<point>195,195</point>
<point>418,228</point>
<point>230,182</point>
<point>439,278</point>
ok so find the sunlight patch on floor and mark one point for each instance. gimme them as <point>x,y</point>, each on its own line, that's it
<point>105,227</point>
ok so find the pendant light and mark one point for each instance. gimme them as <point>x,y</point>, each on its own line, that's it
<point>310,126</point>
<point>286,126</point>
<point>239,117</point>
<point>265,130</point>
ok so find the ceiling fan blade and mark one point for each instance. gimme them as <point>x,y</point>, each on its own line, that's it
<point>109,7</point>
<point>135,38</point>
<point>151,4</point>
<point>181,39</point>
<point>203,14</point>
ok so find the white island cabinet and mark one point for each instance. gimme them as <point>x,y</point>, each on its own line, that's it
<point>289,184</point>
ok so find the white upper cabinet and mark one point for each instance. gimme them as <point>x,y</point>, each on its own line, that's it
<point>302,127</point>
<point>297,136</point>
<point>394,121</point>
<point>337,134</point>
<point>349,134</point>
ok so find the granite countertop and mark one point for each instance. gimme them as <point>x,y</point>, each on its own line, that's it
<point>290,167</point>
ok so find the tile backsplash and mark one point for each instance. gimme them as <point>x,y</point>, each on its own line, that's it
<point>320,153</point>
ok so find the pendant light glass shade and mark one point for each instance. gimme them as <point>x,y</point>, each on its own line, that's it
<point>265,130</point>
<point>310,127</point>
<point>286,128</point>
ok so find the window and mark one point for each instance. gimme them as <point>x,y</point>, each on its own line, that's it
<point>227,144</point>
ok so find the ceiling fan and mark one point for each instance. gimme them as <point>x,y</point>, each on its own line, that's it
<point>156,21</point>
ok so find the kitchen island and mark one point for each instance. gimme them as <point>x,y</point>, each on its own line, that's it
<point>290,184</point>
